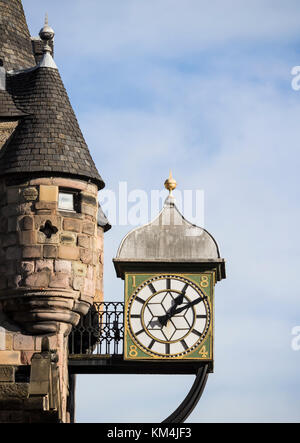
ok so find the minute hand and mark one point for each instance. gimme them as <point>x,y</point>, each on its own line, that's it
<point>189,305</point>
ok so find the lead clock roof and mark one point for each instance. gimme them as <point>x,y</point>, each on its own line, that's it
<point>169,236</point>
<point>168,240</point>
<point>48,138</point>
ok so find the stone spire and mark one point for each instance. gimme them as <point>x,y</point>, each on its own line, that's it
<point>15,43</point>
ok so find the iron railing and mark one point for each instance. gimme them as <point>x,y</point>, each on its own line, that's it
<point>100,332</point>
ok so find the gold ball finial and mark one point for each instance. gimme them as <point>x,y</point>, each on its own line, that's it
<point>170,183</point>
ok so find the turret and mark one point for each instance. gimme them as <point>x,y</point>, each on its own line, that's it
<point>51,226</point>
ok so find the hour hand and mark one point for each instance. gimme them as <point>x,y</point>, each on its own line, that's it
<point>174,310</point>
<point>163,319</point>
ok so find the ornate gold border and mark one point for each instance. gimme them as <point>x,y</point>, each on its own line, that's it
<point>209,333</point>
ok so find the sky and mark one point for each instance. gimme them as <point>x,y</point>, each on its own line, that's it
<point>203,88</point>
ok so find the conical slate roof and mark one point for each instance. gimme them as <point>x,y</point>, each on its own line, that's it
<point>15,43</point>
<point>48,139</point>
<point>7,107</point>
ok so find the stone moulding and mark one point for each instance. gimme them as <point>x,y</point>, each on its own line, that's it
<point>41,311</point>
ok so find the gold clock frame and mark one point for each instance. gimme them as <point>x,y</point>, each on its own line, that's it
<point>194,355</point>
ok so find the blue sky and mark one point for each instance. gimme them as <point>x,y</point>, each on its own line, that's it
<point>203,88</point>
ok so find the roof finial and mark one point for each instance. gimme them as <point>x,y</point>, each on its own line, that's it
<point>47,35</point>
<point>170,184</point>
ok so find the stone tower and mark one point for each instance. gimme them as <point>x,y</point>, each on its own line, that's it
<point>51,226</point>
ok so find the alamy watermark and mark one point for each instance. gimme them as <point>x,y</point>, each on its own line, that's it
<point>137,207</point>
<point>296,80</point>
<point>295,343</point>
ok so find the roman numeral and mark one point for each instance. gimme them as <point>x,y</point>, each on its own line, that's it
<point>167,348</point>
<point>140,332</point>
<point>140,300</point>
<point>184,344</point>
<point>152,288</point>
<point>201,316</point>
<point>168,281</point>
<point>151,344</point>
<point>135,316</point>
<point>185,288</point>
<point>196,332</point>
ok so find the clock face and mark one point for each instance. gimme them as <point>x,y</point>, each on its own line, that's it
<point>168,316</point>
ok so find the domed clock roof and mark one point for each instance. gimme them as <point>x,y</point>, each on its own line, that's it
<point>169,239</point>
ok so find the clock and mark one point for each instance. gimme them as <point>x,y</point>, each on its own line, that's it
<point>168,316</point>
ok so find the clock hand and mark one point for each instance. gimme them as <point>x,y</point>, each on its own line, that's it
<point>189,305</point>
<point>163,319</point>
<point>174,310</point>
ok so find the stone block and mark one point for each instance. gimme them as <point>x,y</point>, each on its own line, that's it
<point>12,395</point>
<point>60,280</point>
<point>79,269</point>
<point>89,287</point>
<point>89,210</point>
<point>90,272</point>
<point>86,256</point>
<point>68,239</point>
<point>68,253</point>
<point>26,267</point>
<point>84,241</point>
<point>13,195</point>
<point>89,228</point>
<point>7,374</point>
<point>88,199</point>
<point>44,265</point>
<point>98,297</point>
<point>9,338</point>
<point>26,223</point>
<point>28,237</point>
<point>23,342</point>
<point>50,251</point>
<point>10,358</point>
<point>32,252</point>
<point>72,225</point>
<point>48,193</point>
<point>63,266</point>
<point>78,283</point>
<point>45,206</point>
<point>37,280</point>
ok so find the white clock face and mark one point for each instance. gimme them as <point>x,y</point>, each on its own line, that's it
<point>168,316</point>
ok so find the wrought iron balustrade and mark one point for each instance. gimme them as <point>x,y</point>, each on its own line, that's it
<point>100,332</point>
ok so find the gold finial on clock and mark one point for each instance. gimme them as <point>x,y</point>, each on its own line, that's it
<point>170,183</point>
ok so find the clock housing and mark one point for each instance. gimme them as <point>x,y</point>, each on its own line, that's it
<point>169,316</point>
